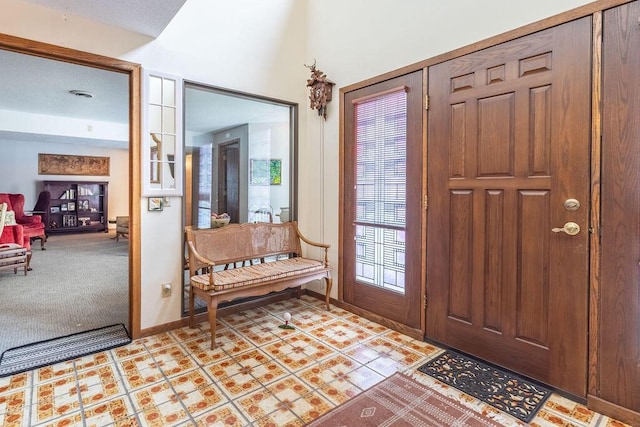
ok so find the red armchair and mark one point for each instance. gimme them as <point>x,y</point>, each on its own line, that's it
<point>15,234</point>
<point>33,227</point>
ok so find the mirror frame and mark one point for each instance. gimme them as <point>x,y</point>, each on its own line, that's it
<point>134,71</point>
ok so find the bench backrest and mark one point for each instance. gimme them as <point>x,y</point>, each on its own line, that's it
<point>238,242</point>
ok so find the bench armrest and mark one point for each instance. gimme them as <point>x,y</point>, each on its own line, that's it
<point>207,262</point>
<point>316,244</point>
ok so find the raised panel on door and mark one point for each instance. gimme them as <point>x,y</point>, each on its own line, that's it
<point>508,143</point>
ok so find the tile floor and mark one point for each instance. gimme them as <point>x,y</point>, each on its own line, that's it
<point>260,375</point>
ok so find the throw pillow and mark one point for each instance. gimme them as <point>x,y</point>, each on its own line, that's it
<point>10,218</point>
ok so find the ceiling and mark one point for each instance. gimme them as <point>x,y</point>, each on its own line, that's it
<point>148,17</point>
<point>38,85</point>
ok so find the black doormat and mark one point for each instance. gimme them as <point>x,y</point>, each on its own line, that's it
<point>61,349</point>
<point>502,390</point>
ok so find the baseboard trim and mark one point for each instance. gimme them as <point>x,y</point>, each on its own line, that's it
<point>413,333</point>
<point>612,410</point>
<point>235,308</point>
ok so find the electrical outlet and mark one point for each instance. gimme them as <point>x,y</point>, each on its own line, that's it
<point>166,290</point>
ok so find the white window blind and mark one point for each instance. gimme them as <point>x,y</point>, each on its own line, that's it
<point>381,154</point>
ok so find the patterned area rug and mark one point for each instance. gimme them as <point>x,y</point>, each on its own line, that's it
<point>504,391</point>
<point>401,400</point>
<point>49,352</point>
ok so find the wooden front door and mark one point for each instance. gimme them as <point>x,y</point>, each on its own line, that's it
<point>381,226</point>
<point>508,148</point>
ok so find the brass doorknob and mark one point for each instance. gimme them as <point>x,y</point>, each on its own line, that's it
<point>571,228</point>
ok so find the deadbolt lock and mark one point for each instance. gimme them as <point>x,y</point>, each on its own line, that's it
<point>571,204</point>
<point>571,228</point>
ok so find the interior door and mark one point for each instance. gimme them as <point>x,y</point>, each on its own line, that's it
<point>508,148</point>
<point>383,146</point>
<point>229,179</point>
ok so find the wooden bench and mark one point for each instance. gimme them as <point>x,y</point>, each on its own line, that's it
<point>212,250</point>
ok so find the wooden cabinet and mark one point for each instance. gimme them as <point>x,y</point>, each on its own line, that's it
<point>77,206</point>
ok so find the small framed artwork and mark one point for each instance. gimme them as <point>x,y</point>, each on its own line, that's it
<point>71,206</point>
<point>55,209</point>
<point>265,171</point>
<point>63,207</point>
<point>83,205</point>
<point>155,203</point>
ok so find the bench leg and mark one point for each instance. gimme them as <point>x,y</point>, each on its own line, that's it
<point>327,295</point>
<point>212,307</point>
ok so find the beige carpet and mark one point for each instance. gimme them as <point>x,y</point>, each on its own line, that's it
<point>80,282</point>
<point>401,401</point>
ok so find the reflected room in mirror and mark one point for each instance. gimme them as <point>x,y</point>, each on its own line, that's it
<point>239,154</point>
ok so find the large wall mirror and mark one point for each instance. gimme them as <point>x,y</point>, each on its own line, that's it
<point>239,157</point>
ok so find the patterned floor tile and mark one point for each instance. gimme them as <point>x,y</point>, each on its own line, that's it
<point>223,369</point>
<point>258,334</point>
<point>362,353</point>
<point>340,334</point>
<point>251,358</point>
<point>339,364</point>
<point>202,399</point>
<point>311,406</point>
<point>99,384</point>
<point>340,390</point>
<point>173,360</point>
<point>166,414</point>
<point>200,350</point>
<point>366,324</point>
<point>268,372</point>
<point>364,378</point>
<point>238,385</point>
<point>152,396</point>
<point>55,399</point>
<point>236,320</point>
<point>15,407</point>
<point>288,305</point>
<point>258,404</point>
<point>48,373</point>
<point>116,411</point>
<point>93,360</point>
<point>157,341</point>
<point>232,342</point>
<point>225,415</point>
<point>307,318</point>
<point>14,382</point>
<point>140,371</point>
<point>567,408</point>
<point>386,366</point>
<point>289,389</point>
<point>132,349</point>
<point>280,418</point>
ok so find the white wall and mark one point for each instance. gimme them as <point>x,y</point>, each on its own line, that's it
<point>19,170</point>
<point>355,40</point>
<point>260,47</point>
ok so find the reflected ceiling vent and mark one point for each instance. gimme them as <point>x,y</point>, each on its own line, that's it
<point>81,93</point>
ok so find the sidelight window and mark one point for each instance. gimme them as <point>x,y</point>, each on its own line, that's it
<point>380,197</point>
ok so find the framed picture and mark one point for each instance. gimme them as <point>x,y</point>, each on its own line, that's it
<point>155,204</point>
<point>71,206</point>
<point>265,172</point>
<point>63,207</point>
<point>83,205</point>
<point>63,164</point>
<point>55,209</point>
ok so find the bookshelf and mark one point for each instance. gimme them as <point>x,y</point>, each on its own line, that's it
<point>77,206</point>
